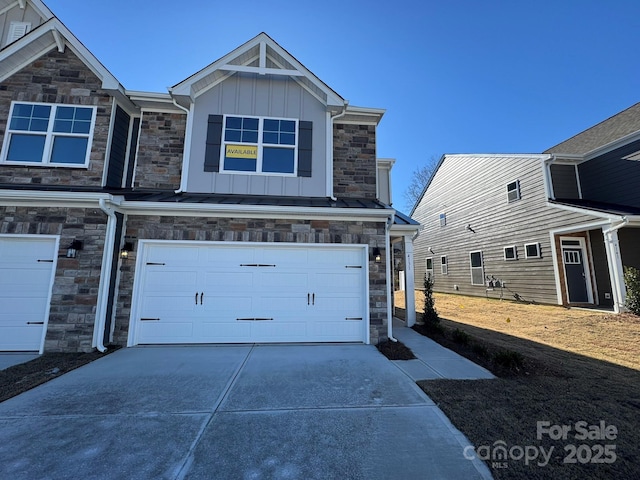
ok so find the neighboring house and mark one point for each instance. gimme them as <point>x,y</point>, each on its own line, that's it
<point>245,205</point>
<point>557,227</point>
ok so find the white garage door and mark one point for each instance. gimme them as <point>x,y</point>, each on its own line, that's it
<point>243,293</point>
<point>27,266</point>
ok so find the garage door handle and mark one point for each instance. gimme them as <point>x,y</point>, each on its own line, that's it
<point>253,319</point>
<point>308,298</point>
<point>313,299</point>
<point>149,319</point>
<point>353,318</point>
<point>201,297</point>
<point>35,323</point>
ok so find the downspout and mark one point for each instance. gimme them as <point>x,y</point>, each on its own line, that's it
<point>613,256</point>
<point>105,272</point>
<point>187,146</point>
<point>330,148</point>
<point>387,246</point>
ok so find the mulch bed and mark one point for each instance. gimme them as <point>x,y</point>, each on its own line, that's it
<point>395,350</point>
<point>25,376</point>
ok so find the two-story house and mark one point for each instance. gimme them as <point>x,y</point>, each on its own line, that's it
<point>555,228</point>
<point>244,205</point>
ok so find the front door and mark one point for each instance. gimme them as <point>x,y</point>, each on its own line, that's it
<point>576,275</point>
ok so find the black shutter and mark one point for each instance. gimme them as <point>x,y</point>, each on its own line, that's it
<point>118,155</point>
<point>214,141</point>
<point>305,148</point>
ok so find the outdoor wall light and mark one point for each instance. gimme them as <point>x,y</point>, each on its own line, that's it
<point>126,249</point>
<point>377,256</point>
<point>72,249</point>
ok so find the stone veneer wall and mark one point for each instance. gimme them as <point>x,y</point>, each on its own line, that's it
<point>252,230</point>
<point>160,149</point>
<point>354,161</point>
<point>77,280</point>
<point>58,78</point>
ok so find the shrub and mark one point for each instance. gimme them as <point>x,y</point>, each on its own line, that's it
<point>632,282</point>
<point>480,350</point>
<point>509,359</point>
<point>430,315</point>
<point>461,337</point>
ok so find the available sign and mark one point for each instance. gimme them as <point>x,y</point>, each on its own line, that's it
<point>241,151</point>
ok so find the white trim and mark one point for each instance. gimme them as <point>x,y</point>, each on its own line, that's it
<point>585,263</point>
<point>56,239</point>
<point>252,211</point>
<point>471,267</point>
<point>136,300</point>
<point>515,252</point>
<point>578,182</point>
<point>127,153</point>
<point>538,249</point>
<point>591,213</point>
<point>186,154</point>
<point>107,153</point>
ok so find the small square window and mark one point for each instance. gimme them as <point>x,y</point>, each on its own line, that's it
<point>513,191</point>
<point>443,219</point>
<point>532,250</point>
<point>510,253</point>
<point>444,269</point>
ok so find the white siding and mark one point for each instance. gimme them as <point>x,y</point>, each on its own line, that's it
<point>472,190</point>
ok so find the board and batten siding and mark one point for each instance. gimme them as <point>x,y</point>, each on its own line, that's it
<point>565,182</point>
<point>612,179</point>
<point>17,14</point>
<point>472,190</point>
<point>265,96</point>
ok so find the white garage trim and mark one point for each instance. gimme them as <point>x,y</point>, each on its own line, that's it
<point>55,240</point>
<point>150,302</point>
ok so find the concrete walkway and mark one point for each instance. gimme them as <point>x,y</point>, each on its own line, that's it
<point>246,412</point>
<point>433,360</point>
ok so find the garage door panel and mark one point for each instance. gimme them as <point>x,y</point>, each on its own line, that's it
<point>27,267</point>
<point>20,338</point>
<point>256,293</point>
<point>178,332</point>
<point>226,278</point>
<point>234,256</point>
<point>157,280</point>
<point>163,305</point>
<point>184,256</point>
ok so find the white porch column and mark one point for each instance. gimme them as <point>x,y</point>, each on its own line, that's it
<point>409,282</point>
<point>616,272</point>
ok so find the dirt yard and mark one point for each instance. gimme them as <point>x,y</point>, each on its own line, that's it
<point>604,336</point>
<point>578,367</point>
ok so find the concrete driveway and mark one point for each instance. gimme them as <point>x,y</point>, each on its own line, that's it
<point>236,412</point>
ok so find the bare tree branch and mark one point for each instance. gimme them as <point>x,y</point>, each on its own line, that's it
<point>419,179</point>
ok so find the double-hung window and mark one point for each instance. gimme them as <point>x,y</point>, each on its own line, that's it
<point>259,145</point>
<point>49,134</point>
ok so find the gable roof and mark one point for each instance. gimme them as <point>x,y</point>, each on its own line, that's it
<point>614,128</point>
<point>53,34</point>
<point>263,56</point>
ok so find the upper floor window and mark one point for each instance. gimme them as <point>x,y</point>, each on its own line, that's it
<point>48,134</point>
<point>259,145</point>
<point>513,191</point>
<point>443,219</point>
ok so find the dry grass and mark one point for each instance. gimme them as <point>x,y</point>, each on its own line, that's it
<point>604,336</point>
<point>580,366</point>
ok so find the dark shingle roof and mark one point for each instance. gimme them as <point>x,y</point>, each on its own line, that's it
<point>610,130</point>
<point>603,207</point>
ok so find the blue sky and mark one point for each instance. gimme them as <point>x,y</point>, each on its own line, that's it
<point>455,76</point>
